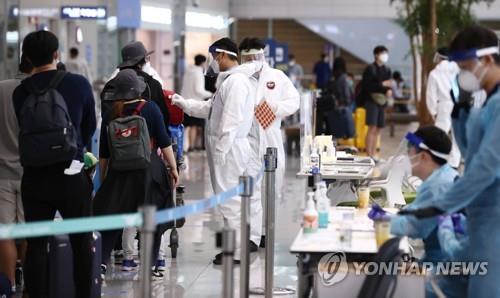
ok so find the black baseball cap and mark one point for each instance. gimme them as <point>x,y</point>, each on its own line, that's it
<point>127,85</point>
<point>133,53</point>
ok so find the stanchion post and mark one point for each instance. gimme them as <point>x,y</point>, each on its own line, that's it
<point>147,237</point>
<point>226,240</point>
<point>246,194</point>
<point>271,162</point>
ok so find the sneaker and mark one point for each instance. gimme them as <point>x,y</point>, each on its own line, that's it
<point>128,265</point>
<point>156,274</point>
<point>103,271</point>
<point>161,265</point>
<point>218,260</point>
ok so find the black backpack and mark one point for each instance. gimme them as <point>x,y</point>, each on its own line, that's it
<point>47,134</point>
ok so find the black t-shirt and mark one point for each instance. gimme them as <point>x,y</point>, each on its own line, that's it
<point>373,76</point>
<point>77,93</point>
<point>154,92</point>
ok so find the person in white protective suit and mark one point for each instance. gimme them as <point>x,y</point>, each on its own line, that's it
<point>439,103</point>
<point>277,90</point>
<point>229,115</point>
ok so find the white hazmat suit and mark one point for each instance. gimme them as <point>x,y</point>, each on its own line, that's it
<point>278,91</point>
<point>440,104</point>
<point>229,115</point>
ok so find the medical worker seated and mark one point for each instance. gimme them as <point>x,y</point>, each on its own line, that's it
<point>428,150</point>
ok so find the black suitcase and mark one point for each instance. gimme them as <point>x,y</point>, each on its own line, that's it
<point>61,281</point>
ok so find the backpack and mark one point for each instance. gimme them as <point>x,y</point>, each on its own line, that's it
<point>130,145</point>
<point>47,135</point>
<point>176,114</point>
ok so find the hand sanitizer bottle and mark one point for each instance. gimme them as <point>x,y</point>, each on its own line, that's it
<point>310,215</point>
<point>323,203</point>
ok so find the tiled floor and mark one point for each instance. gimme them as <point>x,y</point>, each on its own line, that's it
<point>192,273</point>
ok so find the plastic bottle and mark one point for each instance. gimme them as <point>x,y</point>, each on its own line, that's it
<point>314,159</point>
<point>323,206</point>
<point>310,215</point>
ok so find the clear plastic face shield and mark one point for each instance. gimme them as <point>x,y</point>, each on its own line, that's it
<point>412,145</point>
<point>255,56</point>
<point>413,141</point>
<point>472,70</point>
<point>213,68</point>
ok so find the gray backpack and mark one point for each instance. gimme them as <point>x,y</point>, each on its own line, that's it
<point>47,134</point>
<point>129,142</point>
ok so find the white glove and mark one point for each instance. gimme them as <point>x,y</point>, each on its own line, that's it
<point>179,101</point>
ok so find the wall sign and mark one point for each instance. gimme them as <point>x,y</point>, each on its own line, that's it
<point>84,12</point>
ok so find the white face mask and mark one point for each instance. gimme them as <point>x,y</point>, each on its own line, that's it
<point>468,81</point>
<point>384,57</point>
<point>292,62</point>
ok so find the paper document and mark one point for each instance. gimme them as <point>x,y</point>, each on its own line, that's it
<point>75,167</point>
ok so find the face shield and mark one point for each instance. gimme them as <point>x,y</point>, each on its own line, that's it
<point>412,140</point>
<point>213,67</point>
<point>472,71</point>
<point>255,56</point>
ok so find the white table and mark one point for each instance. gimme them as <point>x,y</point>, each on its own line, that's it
<point>328,240</point>
<point>311,247</point>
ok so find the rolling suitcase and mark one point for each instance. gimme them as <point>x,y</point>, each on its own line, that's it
<point>61,278</point>
<point>61,281</point>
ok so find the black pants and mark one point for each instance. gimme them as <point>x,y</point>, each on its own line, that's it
<point>45,191</point>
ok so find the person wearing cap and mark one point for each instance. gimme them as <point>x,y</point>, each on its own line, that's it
<point>476,51</point>
<point>276,90</point>
<point>428,150</point>
<point>125,191</point>
<point>136,57</point>
<point>438,97</point>
<point>229,115</point>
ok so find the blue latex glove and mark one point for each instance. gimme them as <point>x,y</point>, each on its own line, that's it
<point>445,222</point>
<point>456,218</point>
<point>377,213</point>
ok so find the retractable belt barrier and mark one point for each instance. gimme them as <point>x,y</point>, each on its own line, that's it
<point>113,222</point>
